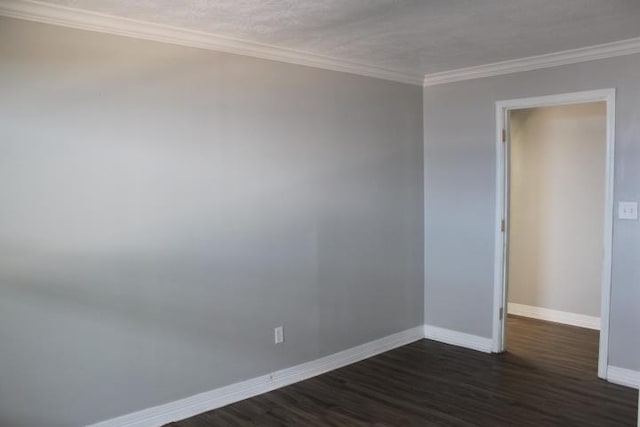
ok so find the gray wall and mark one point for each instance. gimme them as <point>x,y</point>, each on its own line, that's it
<point>556,215</point>
<point>164,208</point>
<point>459,122</point>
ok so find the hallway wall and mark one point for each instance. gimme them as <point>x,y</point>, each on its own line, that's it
<point>556,207</point>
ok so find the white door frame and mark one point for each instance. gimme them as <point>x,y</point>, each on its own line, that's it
<point>502,210</point>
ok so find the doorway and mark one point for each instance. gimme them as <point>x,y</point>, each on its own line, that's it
<point>537,241</point>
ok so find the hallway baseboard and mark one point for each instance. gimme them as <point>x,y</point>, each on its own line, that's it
<point>564,317</point>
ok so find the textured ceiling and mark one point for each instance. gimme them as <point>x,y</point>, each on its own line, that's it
<point>411,36</point>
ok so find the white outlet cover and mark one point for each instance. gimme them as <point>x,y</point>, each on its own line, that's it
<point>628,210</point>
<point>278,335</point>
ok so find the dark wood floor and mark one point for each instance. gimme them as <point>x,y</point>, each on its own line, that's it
<point>547,378</point>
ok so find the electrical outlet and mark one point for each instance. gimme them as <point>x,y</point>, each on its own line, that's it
<point>278,335</point>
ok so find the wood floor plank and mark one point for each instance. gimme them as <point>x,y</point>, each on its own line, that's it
<point>548,377</point>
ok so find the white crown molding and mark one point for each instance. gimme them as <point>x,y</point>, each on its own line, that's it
<point>591,53</point>
<point>622,376</point>
<point>459,339</point>
<point>92,21</point>
<point>199,403</point>
<point>564,317</point>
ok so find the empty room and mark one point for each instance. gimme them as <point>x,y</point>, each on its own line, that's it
<point>319,213</point>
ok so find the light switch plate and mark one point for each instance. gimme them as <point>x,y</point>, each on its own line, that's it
<point>628,210</point>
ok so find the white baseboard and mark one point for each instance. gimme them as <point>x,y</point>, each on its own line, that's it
<point>573,319</point>
<point>622,376</point>
<point>460,339</point>
<point>199,403</point>
<point>190,406</point>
